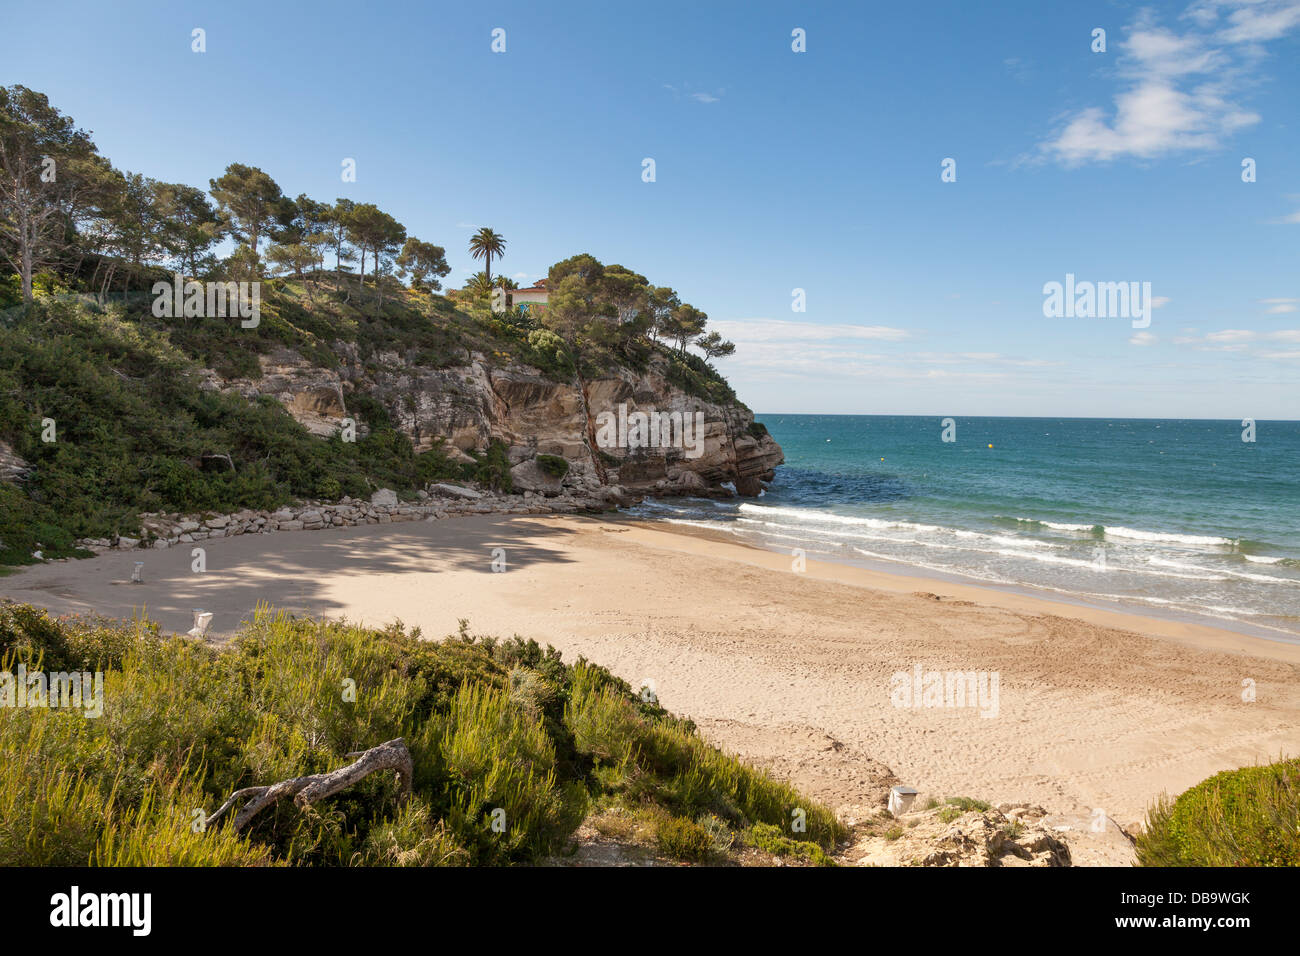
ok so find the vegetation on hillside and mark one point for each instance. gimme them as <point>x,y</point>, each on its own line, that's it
<point>512,748</point>
<point>69,219</point>
<point>82,246</point>
<point>1246,817</point>
<point>134,432</point>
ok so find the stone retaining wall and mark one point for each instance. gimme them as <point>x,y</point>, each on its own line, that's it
<point>165,530</point>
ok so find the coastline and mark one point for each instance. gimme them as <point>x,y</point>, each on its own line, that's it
<point>1154,622</point>
<point>1098,709</point>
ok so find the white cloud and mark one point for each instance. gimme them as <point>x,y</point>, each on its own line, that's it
<point>1280,306</point>
<point>1254,21</point>
<point>1230,335</point>
<point>1241,340</point>
<point>698,96</point>
<point>1142,338</point>
<point>1179,90</point>
<point>779,330</point>
<point>774,350</point>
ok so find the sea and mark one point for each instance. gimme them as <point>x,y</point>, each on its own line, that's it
<point>1176,518</point>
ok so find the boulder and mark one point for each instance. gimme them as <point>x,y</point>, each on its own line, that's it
<point>687,483</point>
<point>529,476</point>
<point>614,495</point>
<point>384,498</point>
<point>454,491</point>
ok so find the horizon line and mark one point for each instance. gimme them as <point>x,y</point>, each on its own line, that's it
<point>1085,418</point>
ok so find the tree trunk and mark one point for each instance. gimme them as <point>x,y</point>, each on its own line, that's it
<point>27,268</point>
<point>392,755</point>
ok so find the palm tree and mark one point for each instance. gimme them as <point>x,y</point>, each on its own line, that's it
<point>504,282</point>
<point>485,244</point>
<point>479,285</point>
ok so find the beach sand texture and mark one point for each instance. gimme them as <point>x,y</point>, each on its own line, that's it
<point>792,670</point>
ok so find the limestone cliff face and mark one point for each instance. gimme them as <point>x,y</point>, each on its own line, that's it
<point>470,405</point>
<point>11,466</point>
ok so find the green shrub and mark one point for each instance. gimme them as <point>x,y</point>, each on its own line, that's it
<point>771,840</point>
<point>510,746</point>
<point>413,838</point>
<point>161,832</point>
<point>553,465</point>
<point>683,839</point>
<point>501,769</point>
<point>491,468</point>
<point>1246,817</point>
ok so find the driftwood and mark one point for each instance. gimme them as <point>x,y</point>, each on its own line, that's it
<point>305,791</point>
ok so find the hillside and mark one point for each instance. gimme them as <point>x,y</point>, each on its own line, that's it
<point>501,750</point>
<point>190,415</point>
<point>166,347</point>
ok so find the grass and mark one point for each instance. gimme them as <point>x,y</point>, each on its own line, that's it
<point>771,839</point>
<point>683,839</point>
<point>1245,817</point>
<point>512,748</point>
<point>954,807</point>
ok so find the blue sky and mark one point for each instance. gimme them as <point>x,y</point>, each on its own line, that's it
<point>778,170</point>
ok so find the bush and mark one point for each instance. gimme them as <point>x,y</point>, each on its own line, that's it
<point>553,465</point>
<point>510,746</point>
<point>491,468</point>
<point>683,839</point>
<point>1246,817</point>
<point>413,838</point>
<point>771,840</point>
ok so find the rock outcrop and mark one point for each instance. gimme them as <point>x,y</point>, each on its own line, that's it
<point>1010,835</point>
<point>12,467</point>
<point>468,406</point>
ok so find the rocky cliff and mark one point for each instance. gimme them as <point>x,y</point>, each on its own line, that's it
<point>468,406</point>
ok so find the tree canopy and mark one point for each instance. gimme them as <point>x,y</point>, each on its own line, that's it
<point>64,207</point>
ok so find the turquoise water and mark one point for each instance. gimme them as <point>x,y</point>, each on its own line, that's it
<point>1175,517</point>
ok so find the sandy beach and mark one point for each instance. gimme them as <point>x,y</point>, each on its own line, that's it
<point>791,669</point>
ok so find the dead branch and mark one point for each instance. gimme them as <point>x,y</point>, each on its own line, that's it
<point>305,791</point>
